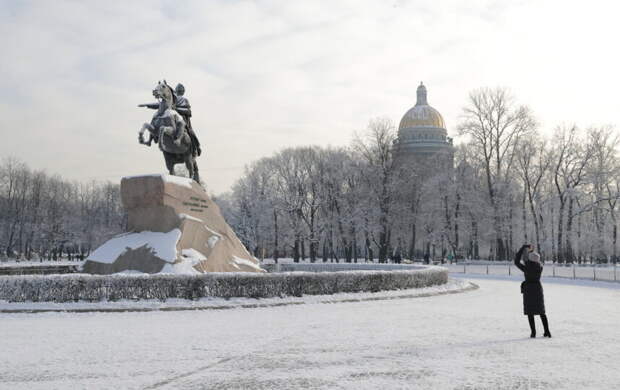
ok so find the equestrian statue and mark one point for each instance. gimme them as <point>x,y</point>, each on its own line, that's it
<point>172,130</point>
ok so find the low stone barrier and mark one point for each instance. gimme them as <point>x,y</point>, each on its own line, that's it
<point>93,288</point>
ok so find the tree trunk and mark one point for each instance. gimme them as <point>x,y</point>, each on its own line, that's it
<point>614,239</point>
<point>355,252</point>
<point>509,244</point>
<point>553,249</point>
<point>325,252</point>
<point>276,254</point>
<point>382,246</point>
<point>580,254</point>
<point>560,251</point>
<point>302,247</point>
<point>296,250</point>
<point>474,247</point>
<point>569,257</point>
<point>499,242</point>
<point>412,245</point>
<point>524,217</point>
<point>456,224</point>
<point>313,242</point>
<point>537,224</point>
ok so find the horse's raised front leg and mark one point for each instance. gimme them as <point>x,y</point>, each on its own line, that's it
<point>149,127</point>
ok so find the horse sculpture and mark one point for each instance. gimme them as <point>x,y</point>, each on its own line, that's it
<point>168,129</point>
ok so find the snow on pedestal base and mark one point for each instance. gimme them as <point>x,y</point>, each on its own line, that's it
<point>174,228</point>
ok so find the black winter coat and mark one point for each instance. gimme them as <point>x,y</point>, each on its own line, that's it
<point>533,296</point>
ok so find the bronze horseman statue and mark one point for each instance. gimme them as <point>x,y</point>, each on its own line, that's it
<point>171,128</point>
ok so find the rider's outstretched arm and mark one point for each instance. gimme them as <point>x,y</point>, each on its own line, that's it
<point>153,106</point>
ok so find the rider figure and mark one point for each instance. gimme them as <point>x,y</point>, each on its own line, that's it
<point>183,108</point>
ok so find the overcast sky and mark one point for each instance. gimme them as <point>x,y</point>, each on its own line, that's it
<point>264,75</point>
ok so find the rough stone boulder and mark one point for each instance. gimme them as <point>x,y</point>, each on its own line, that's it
<point>174,227</point>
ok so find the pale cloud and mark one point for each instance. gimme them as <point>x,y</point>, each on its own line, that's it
<point>263,75</point>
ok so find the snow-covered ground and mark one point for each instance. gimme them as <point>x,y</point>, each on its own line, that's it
<point>473,340</point>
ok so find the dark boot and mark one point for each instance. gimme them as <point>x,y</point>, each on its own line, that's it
<point>545,322</point>
<point>530,319</point>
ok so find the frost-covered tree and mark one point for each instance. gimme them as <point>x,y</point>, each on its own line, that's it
<point>43,216</point>
<point>375,148</point>
<point>495,124</point>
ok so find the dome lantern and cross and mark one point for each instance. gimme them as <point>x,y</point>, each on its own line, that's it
<point>422,114</point>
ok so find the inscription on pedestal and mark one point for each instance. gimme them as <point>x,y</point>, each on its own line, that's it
<point>196,204</point>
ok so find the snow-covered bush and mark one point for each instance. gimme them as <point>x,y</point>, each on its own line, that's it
<point>81,287</point>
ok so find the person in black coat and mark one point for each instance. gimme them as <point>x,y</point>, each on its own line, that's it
<point>533,296</point>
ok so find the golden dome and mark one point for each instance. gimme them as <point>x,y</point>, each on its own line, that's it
<point>422,115</point>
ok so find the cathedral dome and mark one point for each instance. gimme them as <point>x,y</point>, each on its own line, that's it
<point>423,139</point>
<point>422,115</point>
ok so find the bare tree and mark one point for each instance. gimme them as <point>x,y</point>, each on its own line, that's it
<point>376,150</point>
<point>495,125</point>
<point>571,157</point>
<point>602,171</point>
<point>533,162</point>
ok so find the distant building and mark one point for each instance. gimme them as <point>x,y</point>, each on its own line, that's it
<point>424,149</point>
<point>423,139</point>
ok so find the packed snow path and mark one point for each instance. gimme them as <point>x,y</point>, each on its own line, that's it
<point>473,340</point>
